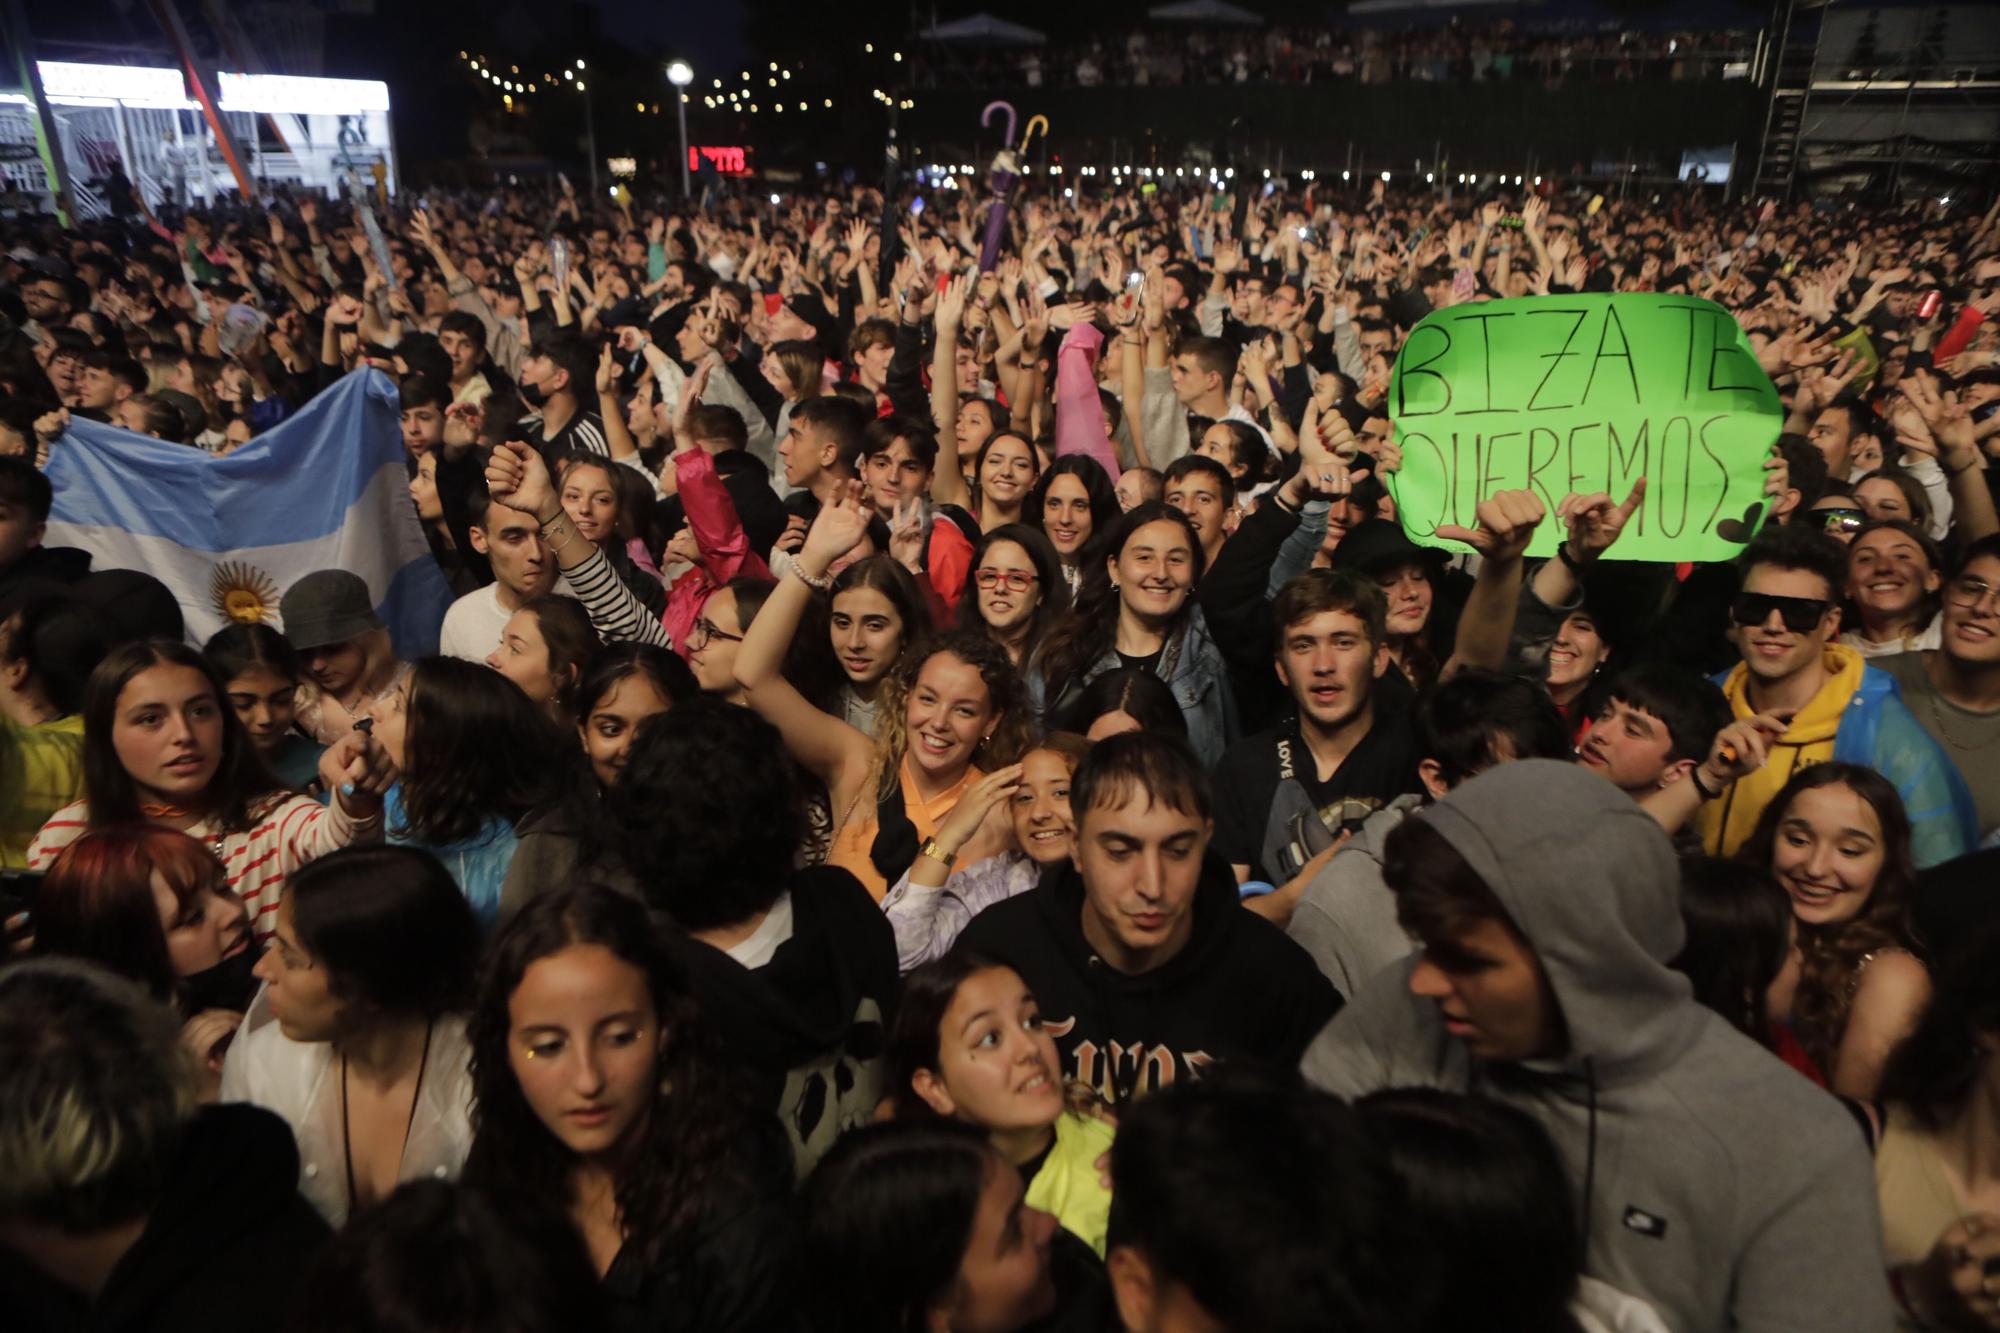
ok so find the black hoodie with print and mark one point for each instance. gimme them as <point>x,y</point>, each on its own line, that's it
<point>809,1027</point>
<point>1239,989</point>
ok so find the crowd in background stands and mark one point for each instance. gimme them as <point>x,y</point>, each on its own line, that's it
<point>949,799</point>
<point>1163,57</point>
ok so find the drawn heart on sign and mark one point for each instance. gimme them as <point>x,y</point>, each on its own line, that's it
<point>1731,530</point>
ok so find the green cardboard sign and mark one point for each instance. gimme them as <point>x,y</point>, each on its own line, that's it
<point>1587,392</point>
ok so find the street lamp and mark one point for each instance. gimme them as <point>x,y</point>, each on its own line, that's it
<point>681,74</point>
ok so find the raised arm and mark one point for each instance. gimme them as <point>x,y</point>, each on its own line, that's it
<point>517,477</point>
<point>839,755</point>
<point>948,478</point>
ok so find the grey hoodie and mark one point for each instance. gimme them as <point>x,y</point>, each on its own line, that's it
<point>1716,1184</point>
<point>1346,918</point>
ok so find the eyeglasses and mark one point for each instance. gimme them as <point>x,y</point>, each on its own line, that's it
<point>1017,580</point>
<point>705,629</point>
<point>1967,593</point>
<point>1840,520</point>
<point>1801,614</point>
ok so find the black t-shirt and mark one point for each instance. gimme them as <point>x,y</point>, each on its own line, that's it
<point>1149,663</point>
<point>1381,767</point>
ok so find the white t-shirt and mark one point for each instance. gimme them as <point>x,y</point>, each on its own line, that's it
<point>474,623</point>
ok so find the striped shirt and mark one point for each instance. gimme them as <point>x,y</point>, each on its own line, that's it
<point>288,831</point>
<point>583,435</point>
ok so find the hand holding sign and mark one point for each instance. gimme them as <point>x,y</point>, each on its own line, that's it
<point>1585,394</point>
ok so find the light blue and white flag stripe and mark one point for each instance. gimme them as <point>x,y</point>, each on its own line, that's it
<point>324,489</point>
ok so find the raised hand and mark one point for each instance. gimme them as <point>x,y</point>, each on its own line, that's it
<point>1506,523</point>
<point>517,477</point>
<point>950,313</point>
<point>1594,521</point>
<point>841,525</point>
<point>908,533</point>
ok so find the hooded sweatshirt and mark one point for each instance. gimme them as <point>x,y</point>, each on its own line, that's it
<point>1346,918</point>
<point>1713,1182</point>
<point>222,1250</point>
<point>809,1026</point>
<point>1237,990</point>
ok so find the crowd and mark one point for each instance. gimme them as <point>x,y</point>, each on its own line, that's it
<point>948,798</point>
<point>1163,57</point>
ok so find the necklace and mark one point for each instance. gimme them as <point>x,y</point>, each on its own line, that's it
<point>1937,718</point>
<point>347,1134</point>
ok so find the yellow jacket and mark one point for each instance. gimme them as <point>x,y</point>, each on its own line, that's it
<point>1725,823</point>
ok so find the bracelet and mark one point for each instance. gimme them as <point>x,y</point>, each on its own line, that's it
<point>1694,776</point>
<point>1570,562</point>
<point>820,584</point>
<point>935,852</point>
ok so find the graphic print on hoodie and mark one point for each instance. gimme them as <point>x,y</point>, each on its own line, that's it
<point>810,1026</point>
<point>1712,1181</point>
<point>1238,990</point>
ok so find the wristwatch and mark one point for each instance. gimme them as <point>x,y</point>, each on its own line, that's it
<point>934,852</point>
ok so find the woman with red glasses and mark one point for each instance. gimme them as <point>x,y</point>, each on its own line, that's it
<point>1015,589</point>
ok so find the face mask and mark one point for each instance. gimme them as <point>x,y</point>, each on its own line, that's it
<point>230,984</point>
<point>534,395</point>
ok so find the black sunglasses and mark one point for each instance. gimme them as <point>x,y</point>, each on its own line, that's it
<point>1800,614</point>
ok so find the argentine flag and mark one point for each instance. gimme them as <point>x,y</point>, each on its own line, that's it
<point>324,489</point>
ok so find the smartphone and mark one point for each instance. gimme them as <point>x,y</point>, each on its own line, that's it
<point>1134,281</point>
<point>773,302</point>
<point>1928,306</point>
<point>17,897</point>
<point>917,206</point>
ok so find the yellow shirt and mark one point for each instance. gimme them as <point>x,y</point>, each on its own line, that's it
<point>1725,823</point>
<point>41,771</point>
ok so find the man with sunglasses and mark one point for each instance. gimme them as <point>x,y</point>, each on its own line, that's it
<point>1785,622</point>
<point>1954,689</point>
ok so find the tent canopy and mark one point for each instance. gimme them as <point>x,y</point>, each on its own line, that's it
<point>984,29</point>
<point>1217,13</point>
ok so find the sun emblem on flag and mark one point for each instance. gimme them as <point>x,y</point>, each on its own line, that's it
<point>243,594</point>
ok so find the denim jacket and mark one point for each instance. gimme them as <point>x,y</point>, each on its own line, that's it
<point>1200,682</point>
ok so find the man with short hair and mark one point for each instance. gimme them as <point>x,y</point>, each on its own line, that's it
<point>823,447</point>
<point>1285,794</point>
<point>1202,489</point>
<point>1245,1204</point>
<point>1954,689</point>
<point>126,1204</point>
<point>898,456</point>
<point>105,381</point>
<point>1146,968</point>
<point>1823,701</point>
<point>1346,915</point>
<point>1203,369</point>
<point>463,339</point>
<point>1714,1184</point>
<point>558,378</point>
<point>1657,723</point>
<point>522,568</point>
<point>48,303</point>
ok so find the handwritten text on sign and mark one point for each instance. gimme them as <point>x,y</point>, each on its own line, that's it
<point>1587,392</point>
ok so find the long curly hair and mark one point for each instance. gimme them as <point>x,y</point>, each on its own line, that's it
<point>1832,956</point>
<point>691,1156</point>
<point>1011,735</point>
<point>1089,631</point>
